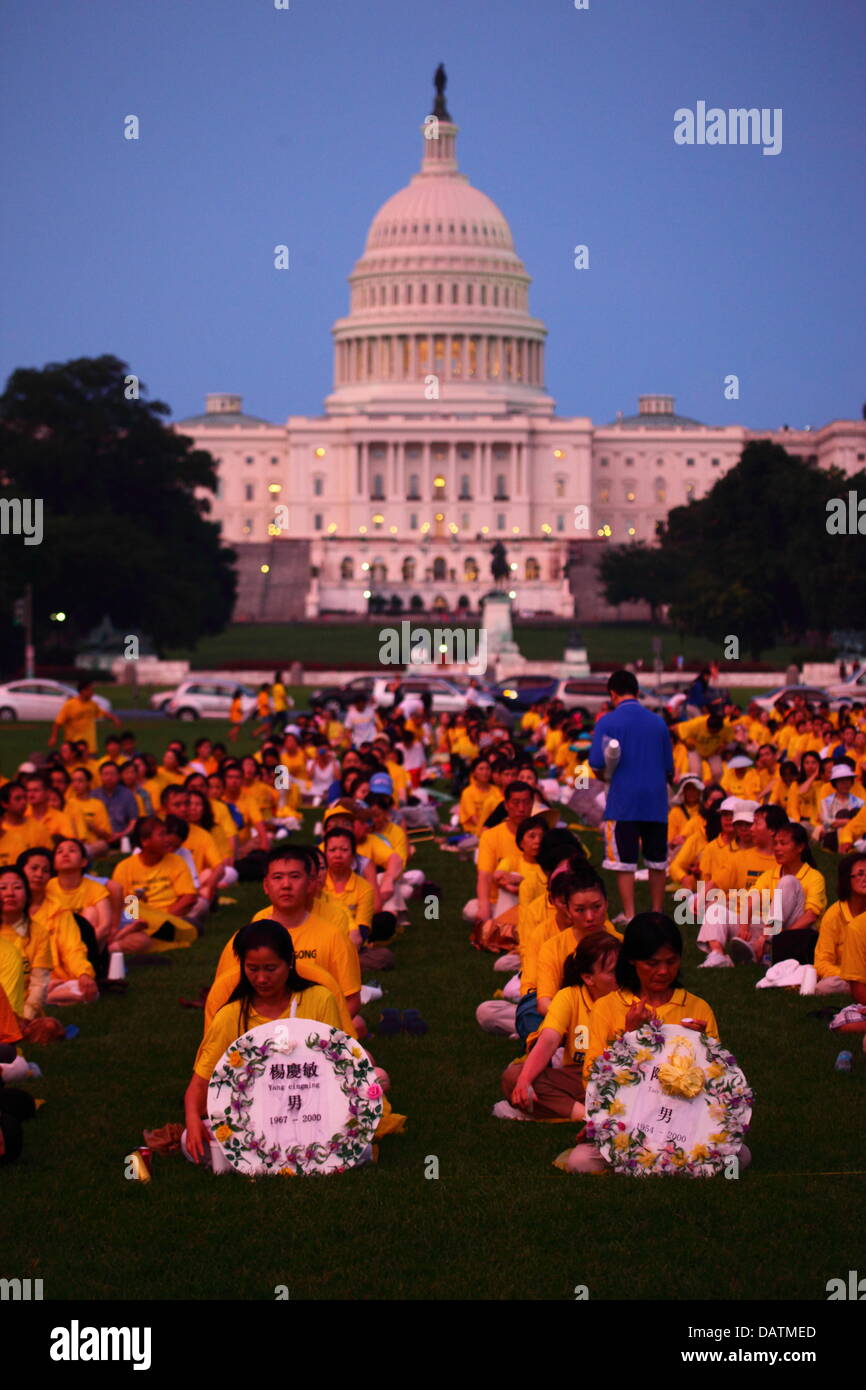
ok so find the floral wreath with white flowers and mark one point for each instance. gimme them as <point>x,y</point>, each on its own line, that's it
<point>246,1060</point>
<point>720,1084</point>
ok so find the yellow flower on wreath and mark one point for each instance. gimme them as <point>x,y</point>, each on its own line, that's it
<point>617,1108</point>
<point>222,1133</point>
<point>235,1059</point>
<point>287,1173</point>
<point>699,1152</point>
<point>678,1158</point>
<point>715,1070</point>
<point>646,1160</point>
<point>622,1141</point>
<point>623,1078</point>
<point>643,1054</point>
<point>718,1138</point>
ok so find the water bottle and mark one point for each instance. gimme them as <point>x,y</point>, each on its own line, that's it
<point>612,754</point>
<point>844,1061</point>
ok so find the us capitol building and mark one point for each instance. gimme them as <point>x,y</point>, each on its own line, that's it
<point>439,438</point>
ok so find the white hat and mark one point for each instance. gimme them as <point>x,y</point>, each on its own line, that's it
<point>730,803</point>
<point>26,767</point>
<point>740,761</point>
<point>689,780</point>
<point>840,770</point>
<point>744,814</point>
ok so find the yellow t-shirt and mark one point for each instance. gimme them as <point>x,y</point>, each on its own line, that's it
<point>718,862</point>
<point>494,845</point>
<point>356,897</point>
<point>749,864</point>
<point>89,818</point>
<point>697,735</point>
<point>831,934</point>
<point>78,718</point>
<point>812,881</point>
<point>554,951</point>
<point>324,955</point>
<point>12,977</point>
<point>224,829</point>
<point>34,947</point>
<point>87,894</point>
<point>475,806</point>
<point>155,885</point>
<point>53,825</point>
<point>376,849</point>
<point>69,959</point>
<point>746,786</point>
<point>569,1015</point>
<point>533,883</point>
<point>278,695</point>
<point>854,830</point>
<point>14,839</point>
<point>315,1003</point>
<point>681,822</point>
<point>607,1020</point>
<point>203,848</point>
<point>689,852</point>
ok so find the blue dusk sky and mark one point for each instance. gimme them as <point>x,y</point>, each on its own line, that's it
<point>262,126</point>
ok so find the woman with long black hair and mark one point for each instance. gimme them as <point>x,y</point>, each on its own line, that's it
<point>269,988</point>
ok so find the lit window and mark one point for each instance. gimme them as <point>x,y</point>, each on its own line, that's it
<point>320,453</point>
<point>274,487</point>
<point>266,569</point>
<point>557,454</point>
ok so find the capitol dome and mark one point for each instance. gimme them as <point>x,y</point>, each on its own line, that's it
<point>439,308</point>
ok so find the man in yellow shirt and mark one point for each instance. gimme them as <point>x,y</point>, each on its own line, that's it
<point>741,778</point>
<point>87,814</point>
<point>705,737</point>
<point>17,833</point>
<point>322,952</point>
<point>49,824</point>
<point>496,843</point>
<point>159,894</point>
<point>78,717</point>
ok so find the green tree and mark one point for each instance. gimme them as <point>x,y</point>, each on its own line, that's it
<point>633,572</point>
<point>754,558</point>
<point>125,532</point>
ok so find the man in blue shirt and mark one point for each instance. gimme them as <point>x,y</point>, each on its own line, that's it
<point>636,814</point>
<point>118,801</point>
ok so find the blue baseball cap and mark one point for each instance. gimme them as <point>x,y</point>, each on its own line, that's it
<point>381,784</point>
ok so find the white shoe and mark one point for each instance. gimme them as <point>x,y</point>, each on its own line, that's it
<point>715,958</point>
<point>369,993</point>
<point>504,1110</point>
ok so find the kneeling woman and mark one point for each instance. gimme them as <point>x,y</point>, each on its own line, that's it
<point>647,976</point>
<point>270,987</point>
<point>556,1093</point>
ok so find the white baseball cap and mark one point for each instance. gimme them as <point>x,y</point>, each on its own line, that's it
<point>740,761</point>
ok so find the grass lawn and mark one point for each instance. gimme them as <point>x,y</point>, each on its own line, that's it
<point>499,1223</point>
<point>279,644</point>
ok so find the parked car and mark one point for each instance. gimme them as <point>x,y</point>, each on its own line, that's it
<point>589,694</point>
<point>519,692</point>
<point>854,688</point>
<point>814,694</point>
<point>38,699</point>
<point>446,696</point>
<point>203,697</point>
<point>343,695</point>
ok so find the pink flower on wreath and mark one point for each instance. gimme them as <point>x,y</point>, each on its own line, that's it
<point>374,1091</point>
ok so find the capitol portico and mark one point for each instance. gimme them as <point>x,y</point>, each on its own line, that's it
<point>439,436</point>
